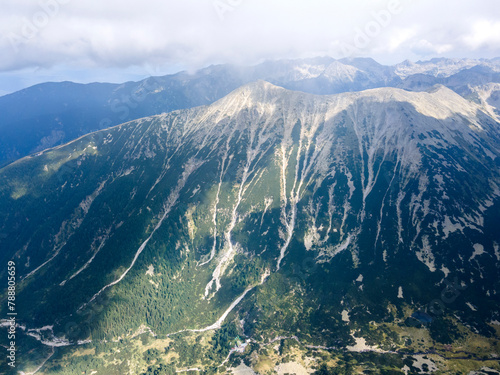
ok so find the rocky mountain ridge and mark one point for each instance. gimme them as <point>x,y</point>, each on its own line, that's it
<point>51,114</point>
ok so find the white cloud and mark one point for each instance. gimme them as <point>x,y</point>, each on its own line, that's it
<point>399,37</point>
<point>484,33</point>
<point>425,48</point>
<point>77,36</point>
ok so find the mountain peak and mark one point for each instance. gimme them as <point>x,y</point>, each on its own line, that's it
<point>259,89</point>
<point>260,85</point>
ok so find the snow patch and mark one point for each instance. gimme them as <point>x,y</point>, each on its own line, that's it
<point>332,251</point>
<point>420,361</point>
<point>471,306</point>
<point>362,346</point>
<point>496,248</point>
<point>478,250</point>
<point>291,368</point>
<point>449,227</point>
<point>243,369</point>
<point>445,270</point>
<point>151,270</point>
<point>425,254</point>
<point>345,316</point>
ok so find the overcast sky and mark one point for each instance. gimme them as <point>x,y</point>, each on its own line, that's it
<point>119,40</point>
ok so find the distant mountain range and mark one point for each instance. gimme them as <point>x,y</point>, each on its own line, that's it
<point>50,114</point>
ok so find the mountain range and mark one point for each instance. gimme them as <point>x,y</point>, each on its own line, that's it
<point>51,114</point>
<point>270,229</point>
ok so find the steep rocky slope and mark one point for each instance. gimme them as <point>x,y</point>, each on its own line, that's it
<point>270,214</point>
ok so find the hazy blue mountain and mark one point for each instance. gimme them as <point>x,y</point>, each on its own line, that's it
<point>443,67</point>
<point>269,227</point>
<point>460,82</point>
